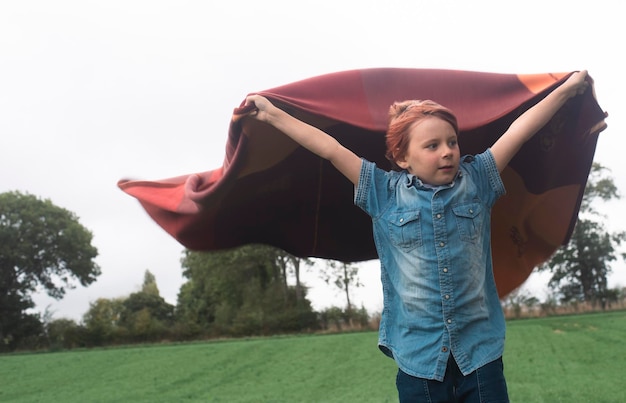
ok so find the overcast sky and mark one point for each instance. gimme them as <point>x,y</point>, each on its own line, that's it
<point>95,91</point>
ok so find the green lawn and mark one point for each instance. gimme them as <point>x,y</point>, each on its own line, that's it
<point>564,359</point>
<point>578,358</point>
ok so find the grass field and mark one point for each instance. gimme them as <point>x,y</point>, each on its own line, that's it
<point>560,359</point>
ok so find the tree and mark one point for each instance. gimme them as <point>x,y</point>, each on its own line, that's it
<point>149,285</point>
<point>289,263</point>
<point>64,334</point>
<point>142,316</point>
<point>241,291</point>
<point>102,321</point>
<point>42,246</point>
<point>344,275</point>
<point>518,300</point>
<point>145,314</point>
<point>580,268</point>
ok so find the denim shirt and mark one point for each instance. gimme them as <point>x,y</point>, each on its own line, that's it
<point>434,248</point>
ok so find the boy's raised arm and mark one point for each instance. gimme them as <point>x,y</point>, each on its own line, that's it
<point>529,123</point>
<point>309,137</point>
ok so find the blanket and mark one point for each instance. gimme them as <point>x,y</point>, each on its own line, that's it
<point>271,191</point>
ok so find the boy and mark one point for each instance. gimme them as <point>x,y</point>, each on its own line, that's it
<point>441,322</point>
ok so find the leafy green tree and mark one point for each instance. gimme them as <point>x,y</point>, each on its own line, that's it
<point>142,316</point>
<point>145,314</point>
<point>580,268</point>
<point>102,322</point>
<point>149,285</point>
<point>195,308</point>
<point>42,246</point>
<point>64,334</point>
<point>241,291</point>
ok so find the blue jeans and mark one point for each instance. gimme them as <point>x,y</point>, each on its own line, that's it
<point>485,385</point>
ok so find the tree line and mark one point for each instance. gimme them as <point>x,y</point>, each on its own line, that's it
<point>240,292</point>
<point>234,293</point>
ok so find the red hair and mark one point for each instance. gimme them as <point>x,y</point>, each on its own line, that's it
<point>402,116</point>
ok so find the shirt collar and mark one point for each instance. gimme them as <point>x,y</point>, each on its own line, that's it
<point>413,180</point>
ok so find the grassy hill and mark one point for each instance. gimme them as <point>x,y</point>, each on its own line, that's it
<point>577,358</point>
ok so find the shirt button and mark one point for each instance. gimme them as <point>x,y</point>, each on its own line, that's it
<point>449,320</point>
<point>444,349</point>
<point>438,215</point>
<point>471,211</point>
<point>445,269</point>
<point>402,220</point>
<point>442,244</point>
<point>446,296</point>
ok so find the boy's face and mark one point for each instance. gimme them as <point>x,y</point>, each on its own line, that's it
<point>433,153</point>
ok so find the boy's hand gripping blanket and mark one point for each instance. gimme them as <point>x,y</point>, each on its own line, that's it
<point>269,190</point>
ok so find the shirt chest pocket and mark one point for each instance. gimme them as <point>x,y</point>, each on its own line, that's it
<point>405,230</point>
<point>468,220</point>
